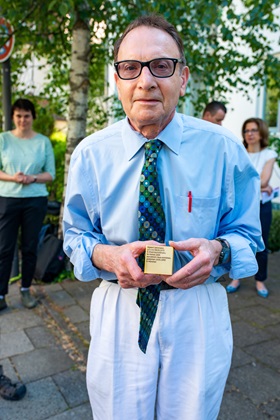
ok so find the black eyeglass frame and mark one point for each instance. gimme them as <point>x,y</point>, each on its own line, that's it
<point>147,64</point>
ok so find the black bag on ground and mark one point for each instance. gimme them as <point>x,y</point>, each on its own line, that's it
<point>50,257</point>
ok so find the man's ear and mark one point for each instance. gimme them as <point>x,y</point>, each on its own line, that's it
<point>184,80</point>
<point>207,116</point>
<point>116,77</point>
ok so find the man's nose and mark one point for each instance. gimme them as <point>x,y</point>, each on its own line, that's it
<point>146,79</point>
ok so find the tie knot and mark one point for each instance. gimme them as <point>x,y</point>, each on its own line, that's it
<point>153,147</point>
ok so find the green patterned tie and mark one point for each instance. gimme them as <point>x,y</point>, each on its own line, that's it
<point>151,226</point>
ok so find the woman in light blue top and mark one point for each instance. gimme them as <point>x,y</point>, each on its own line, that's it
<point>26,165</point>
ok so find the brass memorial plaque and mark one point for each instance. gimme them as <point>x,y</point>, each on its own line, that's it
<point>159,260</point>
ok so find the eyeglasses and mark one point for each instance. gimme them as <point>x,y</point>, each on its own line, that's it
<point>159,67</point>
<point>254,130</point>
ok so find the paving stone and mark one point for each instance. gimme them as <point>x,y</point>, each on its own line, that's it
<point>15,343</point>
<point>72,385</point>
<point>236,407</point>
<point>83,328</point>
<point>246,335</point>
<point>76,314</point>
<point>240,358</point>
<point>274,330</point>
<point>79,413</point>
<point>267,353</point>
<point>259,315</point>
<point>273,260</point>
<point>85,303</point>
<point>272,409</point>
<point>41,401</point>
<point>234,318</point>
<point>272,302</point>
<point>52,287</point>
<point>79,289</point>
<point>237,301</point>
<point>258,383</point>
<point>9,371</point>
<point>228,388</point>
<point>82,291</point>
<point>62,298</point>
<point>19,320</point>
<point>41,337</point>
<point>44,362</point>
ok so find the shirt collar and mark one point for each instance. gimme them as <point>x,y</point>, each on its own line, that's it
<point>171,136</point>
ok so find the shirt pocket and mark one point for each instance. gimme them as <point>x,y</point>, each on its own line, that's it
<point>198,219</point>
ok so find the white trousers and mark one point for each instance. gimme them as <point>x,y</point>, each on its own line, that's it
<point>183,374</point>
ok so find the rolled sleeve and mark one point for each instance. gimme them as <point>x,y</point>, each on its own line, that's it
<point>79,247</point>
<point>241,225</point>
<point>81,222</point>
<point>243,261</point>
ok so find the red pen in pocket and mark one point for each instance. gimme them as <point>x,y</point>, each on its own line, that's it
<point>190,201</point>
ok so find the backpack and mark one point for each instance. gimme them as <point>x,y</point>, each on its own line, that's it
<point>50,256</point>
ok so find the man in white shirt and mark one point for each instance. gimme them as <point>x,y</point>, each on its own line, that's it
<point>207,185</point>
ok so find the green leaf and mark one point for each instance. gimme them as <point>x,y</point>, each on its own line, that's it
<point>63,8</point>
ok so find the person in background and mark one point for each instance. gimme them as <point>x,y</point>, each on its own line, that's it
<point>160,344</point>
<point>9,390</point>
<point>255,139</point>
<point>214,112</point>
<point>26,165</point>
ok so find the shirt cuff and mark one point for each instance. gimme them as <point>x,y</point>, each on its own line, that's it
<point>243,256</point>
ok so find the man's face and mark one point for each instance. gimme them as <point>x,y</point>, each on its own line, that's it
<point>216,118</point>
<point>149,101</point>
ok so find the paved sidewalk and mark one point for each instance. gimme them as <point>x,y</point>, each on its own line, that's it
<point>47,349</point>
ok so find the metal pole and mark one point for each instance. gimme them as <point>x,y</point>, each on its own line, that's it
<point>7,95</point>
<point>6,67</point>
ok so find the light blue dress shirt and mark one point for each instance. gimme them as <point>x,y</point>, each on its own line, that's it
<point>102,196</point>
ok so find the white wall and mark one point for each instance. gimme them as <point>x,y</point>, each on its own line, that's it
<point>34,76</point>
<point>240,108</point>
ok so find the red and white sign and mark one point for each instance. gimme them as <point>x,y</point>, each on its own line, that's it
<point>6,31</point>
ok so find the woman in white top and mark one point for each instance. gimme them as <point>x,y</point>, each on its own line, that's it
<point>255,139</point>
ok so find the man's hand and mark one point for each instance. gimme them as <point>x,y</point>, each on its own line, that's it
<point>206,255</point>
<point>121,260</point>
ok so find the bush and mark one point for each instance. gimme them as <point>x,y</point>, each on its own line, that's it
<point>274,234</point>
<point>55,188</point>
<point>274,143</point>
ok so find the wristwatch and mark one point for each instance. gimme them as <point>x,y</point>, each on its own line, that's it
<point>225,252</point>
<point>34,179</point>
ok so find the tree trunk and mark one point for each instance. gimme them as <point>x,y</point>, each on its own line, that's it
<point>78,99</point>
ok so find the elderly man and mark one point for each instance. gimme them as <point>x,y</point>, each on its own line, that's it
<point>159,343</point>
<point>214,112</point>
